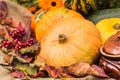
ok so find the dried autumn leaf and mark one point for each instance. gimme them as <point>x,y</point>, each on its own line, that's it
<point>27,32</point>
<point>7,21</point>
<point>83,69</point>
<point>7,35</point>
<point>8,58</point>
<point>2,32</point>
<point>64,75</point>
<point>78,69</point>
<point>20,25</point>
<point>30,49</point>
<point>3,10</point>
<point>97,71</point>
<point>53,71</point>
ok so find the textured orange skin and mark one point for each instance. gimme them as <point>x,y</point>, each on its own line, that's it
<point>52,17</point>
<point>35,22</point>
<point>82,45</point>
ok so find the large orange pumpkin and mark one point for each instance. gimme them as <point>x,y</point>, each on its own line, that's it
<point>70,41</point>
<point>51,17</point>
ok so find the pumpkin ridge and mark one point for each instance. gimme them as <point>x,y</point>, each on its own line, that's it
<point>51,17</point>
<point>81,53</point>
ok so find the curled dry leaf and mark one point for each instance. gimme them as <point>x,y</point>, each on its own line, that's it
<point>78,69</point>
<point>96,71</point>
<point>41,74</point>
<point>10,22</point>
<point>8,58</point>
<point>75,71</point>
<point>64,75</point>
<point>3,10</point>
<point>18,74</point>
<point>7,35</point>
<point>2,32</point>
<point>53,71</point>
<point>32,49</point>
<point>83,69</point>
<point>6,21</point>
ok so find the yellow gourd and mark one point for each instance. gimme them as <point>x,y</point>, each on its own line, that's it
<point>108,27</point>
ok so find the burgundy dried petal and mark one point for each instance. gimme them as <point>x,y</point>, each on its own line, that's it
<point>7,34</point>
<point>27,33</point>
<point>16,24</point>
<point>42,74</point>
<point>3,10</point>
<point>54,72</point>
<point>100,72</point>
<point>20,26</point>
<point>29,59</point>
<point>25,57</point>
<point>17,74</point>
<point>7,21</point>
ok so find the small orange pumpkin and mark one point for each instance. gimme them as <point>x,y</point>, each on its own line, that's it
<point>70,41</point>
<point>36,18</point>
<point>52,17</point>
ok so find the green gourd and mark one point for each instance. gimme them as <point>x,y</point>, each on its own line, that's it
<point>102,14</point>
<point>87,7</point>
<point>82,6</point>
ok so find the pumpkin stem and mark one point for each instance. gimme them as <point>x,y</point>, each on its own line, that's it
<point>62,38</point>
<point>116,26</point>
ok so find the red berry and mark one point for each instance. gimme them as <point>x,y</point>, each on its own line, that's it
<point>18,33</point>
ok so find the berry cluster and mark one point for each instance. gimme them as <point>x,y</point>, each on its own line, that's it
<point>30,42</point>
<point>22,44</point>
<point>18,33</point>
<point>18,42</point>
<point>7,44</point>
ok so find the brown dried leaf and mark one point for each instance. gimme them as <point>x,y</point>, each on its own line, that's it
<point>2,32</point>
<point>64,75</point>
<point>83,69</point>
<point>6,21</point>
<point>96,71</point>
<point>3,9</point>
<point>78,69</point>
<point>53,71</point>
<point>32,49</point>
<point>7,35</point>
<point>8,58</point>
